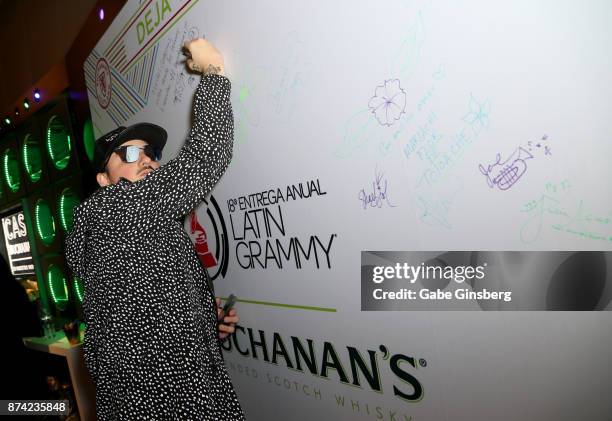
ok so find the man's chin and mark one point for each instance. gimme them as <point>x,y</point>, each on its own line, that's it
<point>144,174</point>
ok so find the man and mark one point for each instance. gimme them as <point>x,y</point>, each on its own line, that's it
<point>151,342</point>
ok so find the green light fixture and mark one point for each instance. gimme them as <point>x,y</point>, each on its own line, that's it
<point>67,201</point>
<point>57,286</point>
<point>10,170</point>
<point>78,288</point>
<point>89,139</point>
<point>44,221</point>
<point>59,144</point>
<point>32,158</point>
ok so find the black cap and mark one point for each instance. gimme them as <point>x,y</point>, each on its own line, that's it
<point>153,134</point>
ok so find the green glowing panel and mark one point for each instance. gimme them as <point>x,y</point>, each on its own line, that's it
<point>10,167</point>
<point>89,139</point>
<point>58,143</point>
<point>32,158</point>
<point>45,223</point>
<point>67,201</point>
<point>57,286</point>
<point>78,288</point>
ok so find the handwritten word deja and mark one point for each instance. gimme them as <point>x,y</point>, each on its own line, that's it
<point>146,25</point>
<point>378,196</point>
<point>504,174</point>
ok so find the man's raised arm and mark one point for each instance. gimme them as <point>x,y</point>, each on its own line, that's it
<point>184,181</point>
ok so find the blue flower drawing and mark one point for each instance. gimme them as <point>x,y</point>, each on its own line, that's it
<point>388,103</point>
<point>478,116</point>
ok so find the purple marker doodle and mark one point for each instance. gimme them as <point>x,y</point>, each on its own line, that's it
<point>378,196</point>
<point>505,174</point>
<point>388,103</point>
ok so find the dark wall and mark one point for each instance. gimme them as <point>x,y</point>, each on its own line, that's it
<point>35,35</point>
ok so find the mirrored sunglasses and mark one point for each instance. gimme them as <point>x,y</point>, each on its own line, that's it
<point>131,153</point>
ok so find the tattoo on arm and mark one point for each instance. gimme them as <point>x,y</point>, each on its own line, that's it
<point>212,70</point>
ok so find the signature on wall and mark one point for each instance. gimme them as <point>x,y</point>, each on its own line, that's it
<point>378,195</point>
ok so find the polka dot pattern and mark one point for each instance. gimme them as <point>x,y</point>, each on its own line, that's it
<point>151,342</point>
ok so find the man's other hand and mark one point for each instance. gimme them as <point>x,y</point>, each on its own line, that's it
<point>227,322</point>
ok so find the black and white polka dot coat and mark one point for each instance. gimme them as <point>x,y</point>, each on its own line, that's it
<point>151,341</point>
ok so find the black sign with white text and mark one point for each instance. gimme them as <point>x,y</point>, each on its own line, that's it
<point>17,244</point>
